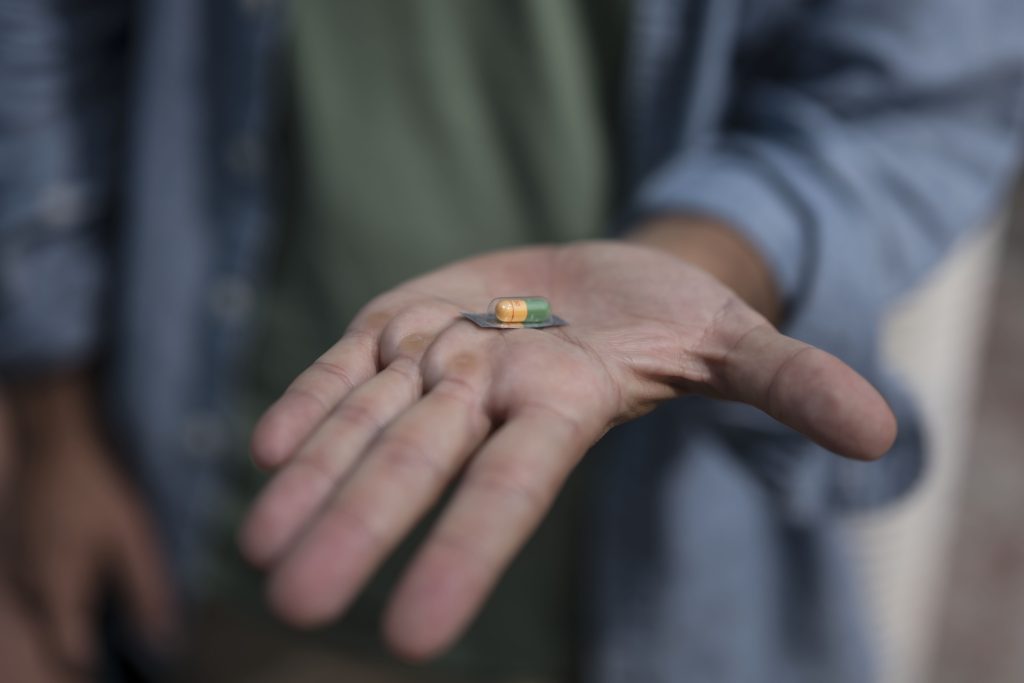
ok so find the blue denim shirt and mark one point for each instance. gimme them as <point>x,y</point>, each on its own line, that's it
<point>851,141</point>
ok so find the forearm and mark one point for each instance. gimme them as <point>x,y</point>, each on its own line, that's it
<point>719,250</point>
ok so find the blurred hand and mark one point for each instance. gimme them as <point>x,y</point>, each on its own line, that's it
<point>412,396</point>
<point>23,650</point>
<point>81,530</point>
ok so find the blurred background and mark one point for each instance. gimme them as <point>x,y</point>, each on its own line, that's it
<point>944,567</point>
<point>980,625</point>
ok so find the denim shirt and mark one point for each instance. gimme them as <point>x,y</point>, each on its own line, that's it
<point>851,141</point>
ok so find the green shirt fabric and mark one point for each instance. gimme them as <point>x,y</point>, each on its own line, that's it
<point>419,133</point>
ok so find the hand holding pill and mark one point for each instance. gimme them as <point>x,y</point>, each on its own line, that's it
<point>414,396</point>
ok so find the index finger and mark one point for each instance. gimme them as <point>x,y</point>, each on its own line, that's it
<point>312,395</point>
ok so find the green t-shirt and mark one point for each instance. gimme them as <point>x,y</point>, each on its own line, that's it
<point>419,133</point>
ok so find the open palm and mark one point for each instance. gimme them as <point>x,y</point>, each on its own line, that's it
<point>368,438</point>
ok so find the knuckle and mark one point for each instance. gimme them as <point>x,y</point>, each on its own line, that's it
<point>409,369</point>
<point>460,390</point>
<point>353,414</point>
<point>577,426</point>
<point>370,320</point>
<point>450,362</point>
<point>306,398</point>
<point>775,390</point>
<point>363,522</point>
<point>406,458</point>
<point>465,551</point>
<point>412,345</point>
<point>334,372</point>
<point>513,482</point>
<point>407,334</point>
<point>319,464</point>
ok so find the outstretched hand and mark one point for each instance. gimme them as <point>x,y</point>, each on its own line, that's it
<point>367,439</point>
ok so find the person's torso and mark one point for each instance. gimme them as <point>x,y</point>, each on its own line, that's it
<point>417,134</point>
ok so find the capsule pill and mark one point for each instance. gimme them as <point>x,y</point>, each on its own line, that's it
<point>527,309</point>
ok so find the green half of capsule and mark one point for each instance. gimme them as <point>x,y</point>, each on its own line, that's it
<point>521,309</point>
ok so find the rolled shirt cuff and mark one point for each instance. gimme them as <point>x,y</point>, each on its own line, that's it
<point>740,192</point>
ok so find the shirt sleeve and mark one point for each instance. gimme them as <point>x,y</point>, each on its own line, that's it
<point>61,97</point>
<point>861,138</point>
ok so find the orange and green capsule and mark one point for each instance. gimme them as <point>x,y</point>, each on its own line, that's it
<point>526,309</point>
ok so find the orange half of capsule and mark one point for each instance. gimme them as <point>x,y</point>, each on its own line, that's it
<point>526,309</point>
<point>511,310</point>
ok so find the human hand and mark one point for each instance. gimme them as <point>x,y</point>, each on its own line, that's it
<point>412,395</point>
<point>23,650</point>
<point>81,529</point>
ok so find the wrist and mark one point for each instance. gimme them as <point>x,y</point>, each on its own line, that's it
<point>719,250</point>
<point>54,410</point>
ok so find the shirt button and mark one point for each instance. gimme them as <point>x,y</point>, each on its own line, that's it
<point>64,206</point>
<point>204,435</point>
<point>231,300</point>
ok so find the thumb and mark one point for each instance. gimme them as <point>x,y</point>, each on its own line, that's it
<point>143,583</point>
<point>809,390</point>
